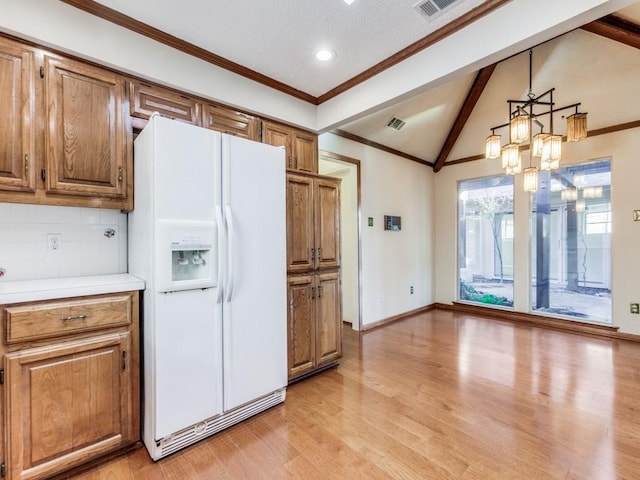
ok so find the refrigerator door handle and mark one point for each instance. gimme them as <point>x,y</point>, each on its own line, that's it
<point>221,238</point>
<point>230,260</point>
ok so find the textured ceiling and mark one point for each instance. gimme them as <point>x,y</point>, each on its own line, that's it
<point>583,67</point>
<point>280,38</point>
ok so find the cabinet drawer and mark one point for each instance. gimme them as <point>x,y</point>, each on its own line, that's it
<point>227,121</point>
<point>146,99</point>
<point>58,318</point>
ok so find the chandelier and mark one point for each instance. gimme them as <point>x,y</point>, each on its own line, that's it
<point>524,116</point>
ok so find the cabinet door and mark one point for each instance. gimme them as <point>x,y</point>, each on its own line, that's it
<point>328,318</point>
<point>327,223</point>
<point>17,107</point>
<point>300,242</point>
<point>301,335</point>
<point>225,120</point>
<point>87,143</point>
<point>147,99</point>
<point>278,136</point>
<point>305,152</point>
<point>66,404</point>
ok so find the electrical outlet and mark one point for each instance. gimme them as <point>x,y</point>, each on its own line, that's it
<point>54,242</point>
<point>411,289</point>
<point>634,308</point>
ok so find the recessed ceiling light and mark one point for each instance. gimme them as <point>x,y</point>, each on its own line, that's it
<point>348,2</point>
<point>325,55</point>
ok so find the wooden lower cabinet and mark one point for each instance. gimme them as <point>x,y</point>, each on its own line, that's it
<point>314,322</point>
<point>70,400</point>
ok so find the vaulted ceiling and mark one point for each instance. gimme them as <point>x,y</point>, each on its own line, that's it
<point>274,43</point>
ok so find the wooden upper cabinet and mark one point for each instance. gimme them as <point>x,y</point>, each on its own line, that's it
<point>305,152</point>
<point>225,120</point>
<point>301,147</point>
<point>313,223</point>
<point>147,99</point>
<point>17,109</point>
<point>300,224</point>
<point>87,144</point>
<point>327,223</point>
<point>278,136</point>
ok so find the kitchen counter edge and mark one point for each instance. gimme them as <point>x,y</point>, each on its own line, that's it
<point>56,288</point>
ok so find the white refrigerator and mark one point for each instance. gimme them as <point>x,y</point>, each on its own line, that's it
<point>208,236</point>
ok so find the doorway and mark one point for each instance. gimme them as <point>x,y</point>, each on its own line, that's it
<point>348,170</point>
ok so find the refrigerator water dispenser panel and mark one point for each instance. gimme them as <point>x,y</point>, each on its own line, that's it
<point>187,257</point>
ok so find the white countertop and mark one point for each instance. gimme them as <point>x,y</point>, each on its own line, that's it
<point>51,288</point>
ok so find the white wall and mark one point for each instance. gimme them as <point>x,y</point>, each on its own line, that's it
<point>85,250</point>
<point>392,261</point>
<point>623,148</point>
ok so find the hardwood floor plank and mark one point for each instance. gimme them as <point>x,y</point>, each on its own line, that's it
<point>142,467</point>
<point>442,395</point>
<point>204,461</point>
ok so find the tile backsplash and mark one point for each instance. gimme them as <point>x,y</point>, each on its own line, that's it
<point>92,241</point>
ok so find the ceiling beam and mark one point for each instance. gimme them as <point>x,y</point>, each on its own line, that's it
<point>379,146</point>
<point>482,78</point>
<point>616,28</point>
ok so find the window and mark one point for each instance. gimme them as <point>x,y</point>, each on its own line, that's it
<point>485,241</point>
<point>571,243</point>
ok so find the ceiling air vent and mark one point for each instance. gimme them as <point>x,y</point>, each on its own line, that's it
<point>396,123</point>
<point>431,8</point>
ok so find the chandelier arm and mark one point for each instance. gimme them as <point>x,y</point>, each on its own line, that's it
<point>536,115</point>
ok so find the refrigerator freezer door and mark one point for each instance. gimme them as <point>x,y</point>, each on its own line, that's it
<point>186,177</point>
<point>254,311</point>
<point>188,359</point>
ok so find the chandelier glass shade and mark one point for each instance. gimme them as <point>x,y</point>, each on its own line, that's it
<point>551,152</point>
<point>511,158</point>
<point>546,145</point>
<point>530,179</point>
<point>493,146</point>
<point>569,194</point>
<point>519,127</point>
<point>576,127</point>
<point>536,149</point>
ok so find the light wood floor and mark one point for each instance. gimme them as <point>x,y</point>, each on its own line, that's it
<point>438,396</point>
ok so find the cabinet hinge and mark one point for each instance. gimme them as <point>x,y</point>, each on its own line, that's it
<point>3,469</point>
<point>26,163</point>
<point>41,71</point>
<point>260,132</point>
<point>1,376</point>
<point>124,360</point>
<point>43,174</point>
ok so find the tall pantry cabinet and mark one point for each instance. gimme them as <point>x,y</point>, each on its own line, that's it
<point>314,308</point>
